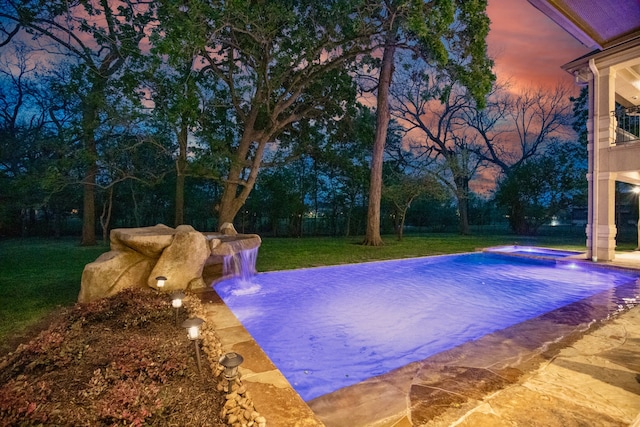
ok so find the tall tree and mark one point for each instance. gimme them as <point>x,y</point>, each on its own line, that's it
<point>279,62</point>
<point>404,189</point>
<point>432,104</point>
<point>581,115</point>
<point>172,76</point>
<point>98,37</point>
<point>446,33</point>
<point>541,173</point>
<point>345,161</point>
<point>22,134</point>
<point>541,187</point>
<point>126,156</point>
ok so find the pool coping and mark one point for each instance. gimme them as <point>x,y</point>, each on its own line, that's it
<point>273,396</point>
<point>409,394</point>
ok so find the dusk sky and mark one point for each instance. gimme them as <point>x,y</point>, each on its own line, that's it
<point>528,48</point>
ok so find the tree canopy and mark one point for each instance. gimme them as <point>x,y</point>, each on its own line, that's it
<point>133,112</point>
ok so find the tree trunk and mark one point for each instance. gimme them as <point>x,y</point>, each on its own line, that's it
<point>90,109</point>
<point>228,204</point>
<point>462,196</point>
<point>517,220</point>
<point>236,187</point>
<point>401,229</point>
<point>181,167</point>
<point>89,119</point>
<point>349,217</point>
<point>89,210</point>
<point>105,217</point>
<point>372,234</point>
<point>463,208</point>
<point>57,223</point>
<point>136,211</point>
<point>24,218</point>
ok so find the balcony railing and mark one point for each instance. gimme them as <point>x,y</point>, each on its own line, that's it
<point>628,124</point>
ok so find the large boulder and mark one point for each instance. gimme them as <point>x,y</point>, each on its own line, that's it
<point>149,241</point>
<point>182,261</point>
<point>112,272</point>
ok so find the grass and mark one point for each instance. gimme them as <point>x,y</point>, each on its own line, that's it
<point>288,253</point>
<point>39,275</point>
<point>36,277</point>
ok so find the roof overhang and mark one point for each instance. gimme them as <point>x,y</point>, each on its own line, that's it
<point>598,24</point>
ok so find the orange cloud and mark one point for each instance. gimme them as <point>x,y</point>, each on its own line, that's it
<point>529,48</point>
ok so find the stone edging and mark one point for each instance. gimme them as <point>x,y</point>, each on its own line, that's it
<point>238,410</point>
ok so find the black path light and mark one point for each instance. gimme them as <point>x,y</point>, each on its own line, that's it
<point>192,325</point>
<point>160,281</point>
<point>231,361</point>
<point>176,302</point>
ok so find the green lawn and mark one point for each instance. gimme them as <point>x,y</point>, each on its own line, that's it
<point>36,276</point>
<point>39,275</point>
<point>287,253</point>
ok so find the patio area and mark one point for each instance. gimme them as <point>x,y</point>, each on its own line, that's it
<point>560,369</point>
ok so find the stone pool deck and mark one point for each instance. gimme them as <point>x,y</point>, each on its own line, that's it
<point>560,369</point>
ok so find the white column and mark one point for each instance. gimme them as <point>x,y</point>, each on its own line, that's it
<point>604,195</point>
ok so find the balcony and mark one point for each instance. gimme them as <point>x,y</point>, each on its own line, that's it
<point>627,124</point>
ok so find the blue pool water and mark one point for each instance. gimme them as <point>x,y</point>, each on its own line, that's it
<point>534,251</point>
<point>329,327</point>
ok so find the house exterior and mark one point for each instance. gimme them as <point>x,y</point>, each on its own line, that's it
<point>612,73</point>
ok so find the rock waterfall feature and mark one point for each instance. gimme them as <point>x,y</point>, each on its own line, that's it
<point>189,259</point>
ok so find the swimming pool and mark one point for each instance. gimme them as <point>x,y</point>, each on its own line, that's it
<point>329,327</point>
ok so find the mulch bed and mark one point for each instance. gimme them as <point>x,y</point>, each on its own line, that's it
<point>117,361</point>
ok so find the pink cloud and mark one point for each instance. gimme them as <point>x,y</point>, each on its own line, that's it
<point>529,48</point>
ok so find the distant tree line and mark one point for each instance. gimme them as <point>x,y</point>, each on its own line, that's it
<point>344,117</point>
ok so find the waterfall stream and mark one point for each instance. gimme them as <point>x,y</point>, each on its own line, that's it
<point>241,267</point>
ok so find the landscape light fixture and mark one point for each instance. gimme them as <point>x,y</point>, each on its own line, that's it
<point>230,362</point>
<point>192,325</point>
<point>176,302</point>
<point>160,281</point>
